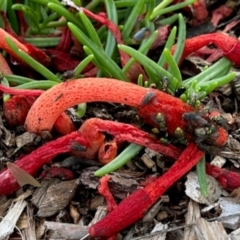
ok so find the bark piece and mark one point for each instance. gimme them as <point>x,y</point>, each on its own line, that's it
<point>88,179</point>
<point>4,204</point>
<point>231,150</point>
<point>149,163</point>
<point>229,207</point>
<point>193,213</point>
<point>153,212</point>
<point>100,213</point>
<point>96,201</point>
<point>235,235</point>
<point>39,194</point>
<point>56,197</point>
<point>159,227</point>
<point>210,230</point>
<point>25,138</point>
<point>30,232</point>
<point>121,184</point>
<point>65,230</point>
<point>9,221</point>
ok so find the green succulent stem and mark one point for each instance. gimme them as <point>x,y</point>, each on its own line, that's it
<point>126,155</point>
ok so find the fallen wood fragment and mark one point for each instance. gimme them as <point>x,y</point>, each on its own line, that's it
<point>8,223</point>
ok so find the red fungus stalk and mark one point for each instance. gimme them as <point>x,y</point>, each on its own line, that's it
<point>150,103</point>
<point>54,101</point>
<point>34,52</point>
<point>133,208</point>
<point>16,109</point>
<point>25,92</point>
<point>64,124</point>
<point>122,132</point>
<point>220,13</point>
<point>135,70</point>
<point>104,190</point>
<point>230,46</point>
<point>90,135</point>
<point>228,179</point>
<point>32,162</point>
<point>4,67</point>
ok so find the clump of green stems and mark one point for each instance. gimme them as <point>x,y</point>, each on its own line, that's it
<point>101,49</point>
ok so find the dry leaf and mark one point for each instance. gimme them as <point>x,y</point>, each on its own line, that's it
<point>22,176</point>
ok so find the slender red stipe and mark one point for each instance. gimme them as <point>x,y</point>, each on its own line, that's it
<point>16,109</point>
<point>230,46</point>
<point>136,69</point>
<point>25,92</point>
<point>32,162</point>
<point>228,179</point>
<point>200,12</point>
<point>34,52</point>
<point>91,139</point>
<point>135,205</point>
<point>220,13</point>
<point>64,124</point>
<point>45,110</point>
<point>59,172</point>
<point>107,152</point>
<point>103,189</point>
<point>122,132</point>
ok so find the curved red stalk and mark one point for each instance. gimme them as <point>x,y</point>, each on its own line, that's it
<point>55,172</point>
<point>228,179</point>
<point>200,12</point>
<point>4,67</point>
<point>136,69</point>
<point>34,52</point>
<point>64,124</point>
<point>32,162</point>
<point>16,109</point>
<point>25,92</point>
<point>54,101</point>
<point>122,132</point>
<point>107,152</point>
<point>93,139</point>
<point>220,13</point>
<point>103,189</point>
<point>230,46</point>
<point>133,208</point>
